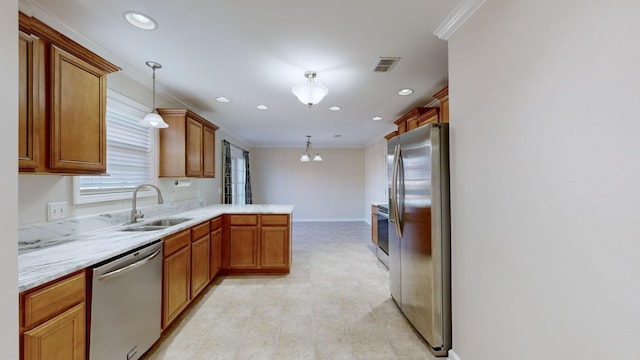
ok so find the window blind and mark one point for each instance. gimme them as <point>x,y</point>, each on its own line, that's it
<point>128,153</point>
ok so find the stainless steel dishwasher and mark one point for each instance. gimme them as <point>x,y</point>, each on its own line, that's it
<point>126,304</point>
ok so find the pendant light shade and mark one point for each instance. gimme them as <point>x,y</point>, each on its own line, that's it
<point>310,92</point>
<point>306,156</point>
<point>152,119</point>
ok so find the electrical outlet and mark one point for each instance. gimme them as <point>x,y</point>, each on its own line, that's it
<point>56,210</point>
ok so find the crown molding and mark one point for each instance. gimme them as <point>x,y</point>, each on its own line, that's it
<point>41,12</point>
<point>456,18</point>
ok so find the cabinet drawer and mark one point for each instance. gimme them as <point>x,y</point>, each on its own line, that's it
<point>53,299</point>
<point>216,223</point>
<point>243,219</point>
<point>275,220</point>
<point>200,230</point>
<point>176,242</point>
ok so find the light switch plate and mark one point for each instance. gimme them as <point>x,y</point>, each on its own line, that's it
<point>56,210</point>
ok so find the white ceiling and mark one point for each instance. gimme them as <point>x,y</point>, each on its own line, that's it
<point>254,51</point>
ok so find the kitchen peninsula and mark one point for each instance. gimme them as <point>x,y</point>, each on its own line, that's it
<point>49,259</point>
<point>170,259</point>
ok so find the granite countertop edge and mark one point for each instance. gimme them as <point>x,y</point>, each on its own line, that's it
<point>85,250</point>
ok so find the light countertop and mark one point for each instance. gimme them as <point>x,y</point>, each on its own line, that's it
<point>89,248</point>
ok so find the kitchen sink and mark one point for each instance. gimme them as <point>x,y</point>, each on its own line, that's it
<point>156,224</point>
<point>166,222</point>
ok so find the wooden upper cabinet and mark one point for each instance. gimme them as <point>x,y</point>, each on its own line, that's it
<point>443,97</point>
<point>424,115</point>
<point>187,146</point>
<point>77,115</point>
<point>208,152</point>
<point>62,102</point>
<point>409,121</point>
<point>28,109</point>
<point>194,147</point>
<point>391,135</point>
<point>428,117</point>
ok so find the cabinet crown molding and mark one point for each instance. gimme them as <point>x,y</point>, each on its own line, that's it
<point>33,26</point>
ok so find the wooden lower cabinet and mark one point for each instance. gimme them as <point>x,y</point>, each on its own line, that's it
<point>53,320</point>
<point>200,258</point>
<point>61,338</point>
<point>176,277</point>
<point>254,243</point>
<point>216,247</point>
<point>275,247</point>
<point>243,247</point>
<point>374,225</point>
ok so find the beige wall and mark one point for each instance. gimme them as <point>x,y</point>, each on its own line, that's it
<point>320,191</point>
<point>545,181</point>
<point>376,174</point>
<point>8,160</point>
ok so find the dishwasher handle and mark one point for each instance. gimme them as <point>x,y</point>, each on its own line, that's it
<point>123,270</point>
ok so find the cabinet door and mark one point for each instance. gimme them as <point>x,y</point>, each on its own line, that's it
<point>216,252</point>
<point>78,131</point>
<point>374,230</point>
<point>194,148</point>
<point>243,247</point>
<point>28,107</point>
<point>428,120</point>
<point>444,109</point>
<point>173,144</point>
<point>208,152</point>
<point>275,247</point>
<point>61,338</point>
<point>176,281</point>
<point>200,254</point>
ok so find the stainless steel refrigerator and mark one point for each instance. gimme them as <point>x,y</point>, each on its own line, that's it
<point>419,231</point>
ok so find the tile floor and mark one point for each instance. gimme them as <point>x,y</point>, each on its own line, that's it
<point>334,304</point>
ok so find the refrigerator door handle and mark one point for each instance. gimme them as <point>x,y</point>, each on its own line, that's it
<point>394,190</point>
<point>401,192</point>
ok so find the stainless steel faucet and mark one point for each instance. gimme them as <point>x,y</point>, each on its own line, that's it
<point>137,214</point>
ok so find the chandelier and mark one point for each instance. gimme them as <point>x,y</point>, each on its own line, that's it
<point>306,156</point>
<point>153,119</point>
<point>310,92</point>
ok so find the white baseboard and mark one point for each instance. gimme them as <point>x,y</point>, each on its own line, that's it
<point>453,356</point>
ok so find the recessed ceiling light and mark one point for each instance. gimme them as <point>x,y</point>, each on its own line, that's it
<point>376,118</point>
<point>335,108</point>
<point>262,107</point>
<point>404,92</point>
<point>140,20</point>
<point>222,99</point>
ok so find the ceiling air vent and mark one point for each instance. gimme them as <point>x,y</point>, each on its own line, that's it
<point>385,64</point>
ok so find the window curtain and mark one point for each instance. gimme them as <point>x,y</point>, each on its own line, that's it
<point>226,173</point>
<point>248,198</point>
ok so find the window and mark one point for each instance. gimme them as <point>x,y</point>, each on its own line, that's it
<point>238,175</point>
<point>236,180</point>
<point>129,154</point>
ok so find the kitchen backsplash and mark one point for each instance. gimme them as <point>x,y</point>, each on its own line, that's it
<point>36,236</point>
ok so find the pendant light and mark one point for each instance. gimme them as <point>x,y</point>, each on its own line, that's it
<point>310,92</point>
<point>306,156</point>
<point>152,119</point>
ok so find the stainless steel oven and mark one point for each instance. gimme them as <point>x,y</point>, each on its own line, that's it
<point>383,235</point>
